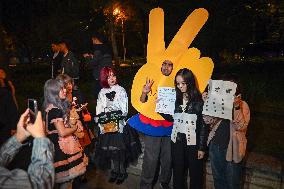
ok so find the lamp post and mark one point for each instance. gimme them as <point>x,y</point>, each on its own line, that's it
<point>120,15</point>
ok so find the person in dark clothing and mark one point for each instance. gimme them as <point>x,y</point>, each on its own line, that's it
<point>189,134</point>
<point>70,64</point>
<point>101,57</point>
<point>40,173</point>
<point>56,59</point>
<point>227,141</point>
<point>6,82</point>
<point>8,114</point>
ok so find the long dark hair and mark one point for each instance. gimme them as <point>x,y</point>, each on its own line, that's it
<point>233,78</point>
<point>192,91</point>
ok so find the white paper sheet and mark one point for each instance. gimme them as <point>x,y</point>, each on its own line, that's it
<point>185,123</point>
<point>220,99</point>
<point>166,100</point>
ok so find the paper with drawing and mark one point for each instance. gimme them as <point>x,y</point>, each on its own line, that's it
<point>166,100</point>
<point>220,99</point>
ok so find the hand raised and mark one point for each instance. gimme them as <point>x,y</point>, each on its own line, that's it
<point>200,154</point>
<point>21,133</point>
<point>177,52</point>
<point>37,129</point>
<point>148,86</point>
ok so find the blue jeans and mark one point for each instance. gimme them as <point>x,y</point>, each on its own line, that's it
<point>227,175</point>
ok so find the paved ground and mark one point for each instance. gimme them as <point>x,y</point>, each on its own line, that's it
<point>99,180</point>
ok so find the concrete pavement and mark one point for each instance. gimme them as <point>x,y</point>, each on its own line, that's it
<point>99,180</point>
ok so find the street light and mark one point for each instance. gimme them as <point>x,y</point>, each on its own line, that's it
<point>120,15</point>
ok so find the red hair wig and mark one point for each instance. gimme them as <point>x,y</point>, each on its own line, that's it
<point>104,74</point>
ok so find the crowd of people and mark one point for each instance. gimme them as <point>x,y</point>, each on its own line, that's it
<point>63,140</point>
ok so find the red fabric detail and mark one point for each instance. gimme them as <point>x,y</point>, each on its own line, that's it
<point>154,123</point>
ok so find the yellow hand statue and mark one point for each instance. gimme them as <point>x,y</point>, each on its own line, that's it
<point>177,52</point>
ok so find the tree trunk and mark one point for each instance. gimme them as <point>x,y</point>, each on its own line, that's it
<point>113,42</point>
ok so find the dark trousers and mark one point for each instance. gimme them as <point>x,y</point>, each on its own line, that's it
<point>184,161</point>
<point>227,175</point>
<point>118,167</point>
<point>157,150</point>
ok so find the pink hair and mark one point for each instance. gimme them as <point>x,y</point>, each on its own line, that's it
<point>104,74</point>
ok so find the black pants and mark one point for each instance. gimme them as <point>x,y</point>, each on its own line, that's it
<point>184,161</point>
<point>119,167</point>
<point>157,149</point>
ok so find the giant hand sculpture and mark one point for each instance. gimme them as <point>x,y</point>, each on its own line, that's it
<point>177,51</point>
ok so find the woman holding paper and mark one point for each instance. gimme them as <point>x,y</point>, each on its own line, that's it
<point>189,134</point>
<point>227,141</point>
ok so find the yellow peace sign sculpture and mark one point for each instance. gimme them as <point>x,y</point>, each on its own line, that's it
<point>177,51</point>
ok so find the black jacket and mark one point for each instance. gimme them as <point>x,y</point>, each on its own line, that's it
<point>57,63</point>
<point>201,127</point>
<point>102,57</point>
<point>70,65</point>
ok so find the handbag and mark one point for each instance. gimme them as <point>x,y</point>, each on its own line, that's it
<point>110,121</point>
<point>87,116</point>
<point>110,127</point>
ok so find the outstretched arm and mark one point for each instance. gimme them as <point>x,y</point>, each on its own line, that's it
<point>8,151</point>
<point>13,145</point>
<point>41,171</point>
<point>93,58</point>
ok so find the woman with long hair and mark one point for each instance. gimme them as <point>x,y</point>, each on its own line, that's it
<point>189,134</point>
<point>69,159</point>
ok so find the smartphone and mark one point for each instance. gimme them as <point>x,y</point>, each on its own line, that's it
<point>33,109</point>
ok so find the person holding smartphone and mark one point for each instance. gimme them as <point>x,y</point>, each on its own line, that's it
<point>69,161</point>
<point>40,173</point>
